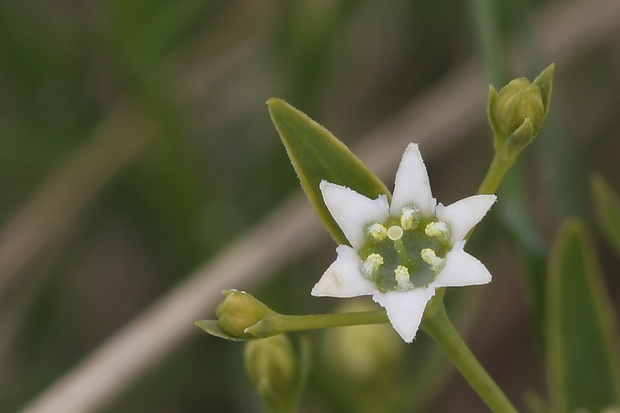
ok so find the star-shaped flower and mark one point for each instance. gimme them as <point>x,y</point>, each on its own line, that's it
<point>401,252</point>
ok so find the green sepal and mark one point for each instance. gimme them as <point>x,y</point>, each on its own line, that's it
<point>213,327</point>
<point>317,155</point>
<point>607,208</point>
<point>544,81</point>
<point>497,131</point>
<point>583,367</point>
<point>518,140</point>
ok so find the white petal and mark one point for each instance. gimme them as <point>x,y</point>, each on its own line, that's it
<point>463,215</point>
<point>405,309</point>
<point>353,212</point>
<point>343,278</point>
<point>412,185</point>
<point>461,269</point>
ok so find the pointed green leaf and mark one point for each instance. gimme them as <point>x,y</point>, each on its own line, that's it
<point>607,208</point>
<point>317,155</point>
<point>583,367</point>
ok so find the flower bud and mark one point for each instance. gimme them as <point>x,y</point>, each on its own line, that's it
<point>364,355</point>
<point>517,112</point>
<point>272,368</point>
<point>517,102</point>
<point>240,311</point>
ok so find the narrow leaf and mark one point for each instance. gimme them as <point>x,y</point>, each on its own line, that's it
<point>607,208</point>
<point>317,155</point>
<point>583,368</point>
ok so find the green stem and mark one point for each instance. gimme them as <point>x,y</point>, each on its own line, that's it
<point>286,323</point>
<point>495,174</point>
<point>318,321</point>
<point>439,327</point>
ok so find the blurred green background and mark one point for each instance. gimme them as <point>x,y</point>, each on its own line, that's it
<point>135,145</point>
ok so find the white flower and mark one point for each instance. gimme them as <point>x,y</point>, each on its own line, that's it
<point>401,252</point>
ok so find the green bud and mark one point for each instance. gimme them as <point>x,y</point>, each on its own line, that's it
<point>364,355</point>
<point>273,370</point>
<point>240,311</point>
<point>516,103</point>
<point>518,110</point>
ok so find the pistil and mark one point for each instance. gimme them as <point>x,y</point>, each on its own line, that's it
<point>395,233</point>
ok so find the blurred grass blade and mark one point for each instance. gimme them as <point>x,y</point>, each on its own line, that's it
<point>57,205</point>
<point>607,208</point>
<point>583,368</point>
<point>317,155</point>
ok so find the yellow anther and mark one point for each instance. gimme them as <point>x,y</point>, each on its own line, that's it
<point>401,273</point>
<point>438,229</point>
<point>428,256</point>
<point>377,231</point>
<point>409,217</point>
<point>371,264</point>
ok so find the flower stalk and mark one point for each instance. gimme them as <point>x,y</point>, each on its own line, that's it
<point>288,323</point>
<point>495,175</point>
<point>438,326</point>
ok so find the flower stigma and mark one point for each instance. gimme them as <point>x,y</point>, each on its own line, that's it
<point>395,232</point>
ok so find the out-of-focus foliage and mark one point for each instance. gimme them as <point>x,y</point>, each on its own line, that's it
<point>582,337</point>
<point>607,208</point>
<point>202,164</point>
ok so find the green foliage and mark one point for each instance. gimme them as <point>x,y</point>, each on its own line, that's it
<point>317,155</point>
<point>582,344</point>
<point>607,208</point>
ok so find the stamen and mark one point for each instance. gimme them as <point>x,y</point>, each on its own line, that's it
<point>438,229</point>
<point>409,218</point>
<point>377,232</point>
<point>371,264</point>
<point>395,232</point>
<point>428,256</point>
<point>401,273</point>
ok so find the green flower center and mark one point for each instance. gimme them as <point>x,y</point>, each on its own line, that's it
<point>405,252</point>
